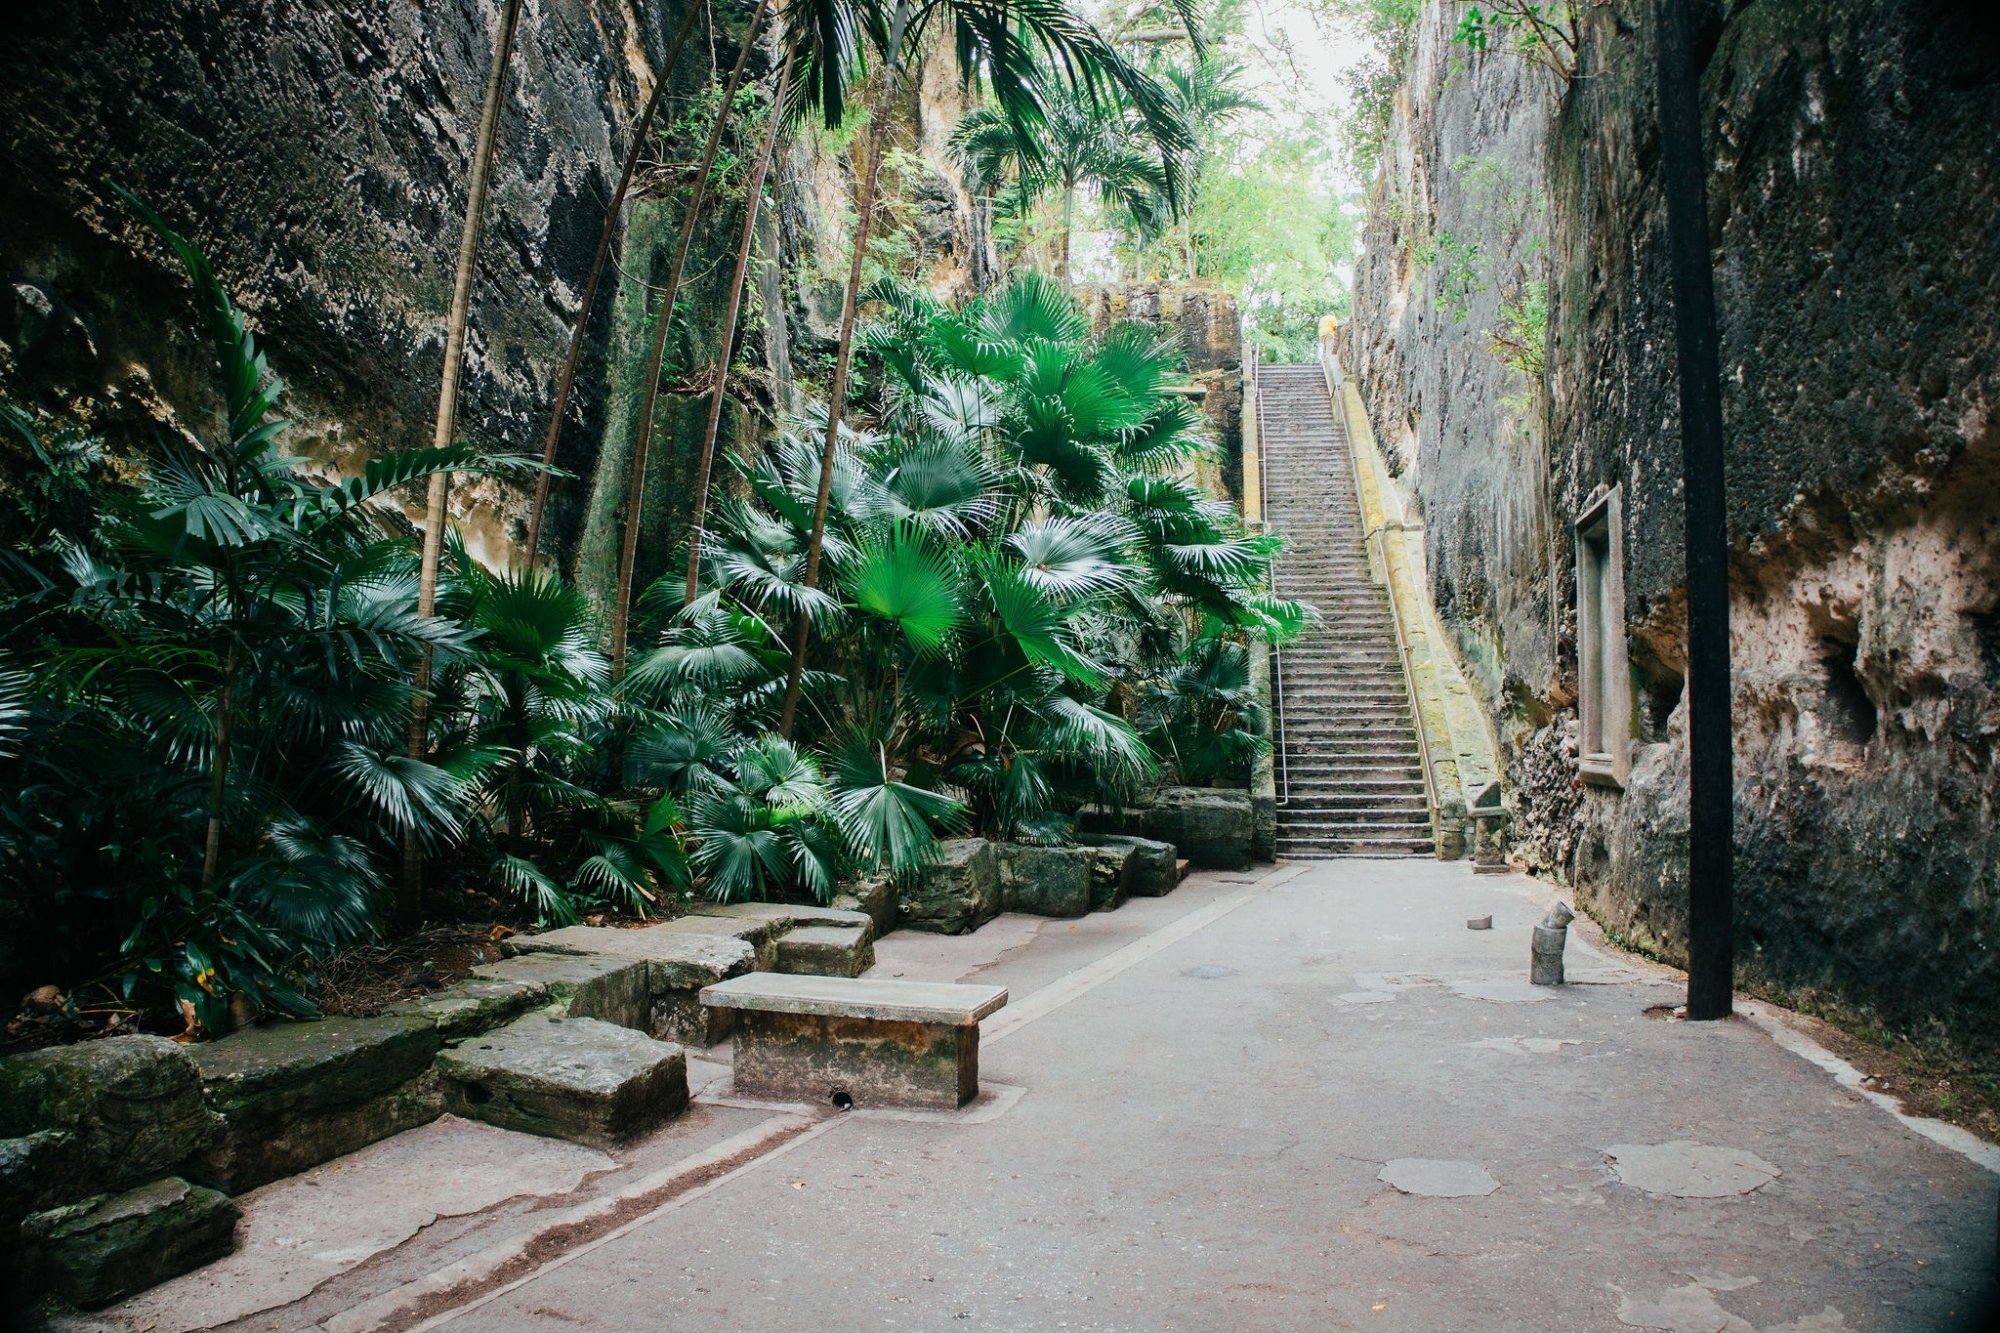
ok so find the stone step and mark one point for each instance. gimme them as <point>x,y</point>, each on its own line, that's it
<point>826,951</point>
<point>567,1078</point>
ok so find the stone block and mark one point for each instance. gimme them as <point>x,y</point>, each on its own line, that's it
<point>873,894</point>
<point>1110,877</point>
<point>826,951</point>
<point>678,963</point>
<point>1046,881</point>
<point>473,1005</point>
<point>98,1117</point>
<point>960,893</point>
<point>567,1078</point>
<point>1120,821</point>
<point>857,1043</point>
<point>298,1094</point>
<point>766,923</point>
<point>107,1247</point>
<point>601,986</point>
<point>1151,866</point>
<point>1214,827</point>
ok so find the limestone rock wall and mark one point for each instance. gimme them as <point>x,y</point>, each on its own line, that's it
<point>319,156</point>
<point>1853,185</point>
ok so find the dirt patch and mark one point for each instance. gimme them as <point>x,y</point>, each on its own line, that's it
<point>364,980</point>
<point>1928,1080</point>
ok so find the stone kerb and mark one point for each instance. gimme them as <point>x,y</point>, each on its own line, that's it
<point>294,1095</point>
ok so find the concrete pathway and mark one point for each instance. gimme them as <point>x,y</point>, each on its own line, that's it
<point>1301,1098</point>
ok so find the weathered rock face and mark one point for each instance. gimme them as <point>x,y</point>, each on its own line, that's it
<point>320,158</point>
<point>1852,190</point>
<point>1205,322</point>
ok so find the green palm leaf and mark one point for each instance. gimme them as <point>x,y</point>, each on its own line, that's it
<point>910,581</point>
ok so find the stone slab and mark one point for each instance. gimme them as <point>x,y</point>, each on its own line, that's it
<point>958,894</point>
<point>578,1079</point>
<point>935,1002</point>
<point>472,1005</point>
<point>601,986</point>
<point>1045,881</point>
<point>1213,827</point>
<point>97,1117</point>
<point>1152,869</point>
<point>679,962</point>
<point>827,951</point>
<point>855,1062</point>
<point>95,1251</point>
<point>297,1234</point>
<point>296,1094</point>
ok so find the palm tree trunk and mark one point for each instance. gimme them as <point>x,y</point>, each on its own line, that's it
<point>225,728</point>
<point>750,210</point>
<point>635,493</point>
<point>611,215</point>
<point>1069,212</point>
<point>837,400</point>
<point>447,414</point>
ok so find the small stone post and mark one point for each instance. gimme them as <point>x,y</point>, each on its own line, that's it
<point>1545,961</point>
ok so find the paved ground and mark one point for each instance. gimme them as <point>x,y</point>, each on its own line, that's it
<point>1216,1092</point>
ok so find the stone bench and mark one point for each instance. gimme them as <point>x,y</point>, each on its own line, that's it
<point>856,1042</point>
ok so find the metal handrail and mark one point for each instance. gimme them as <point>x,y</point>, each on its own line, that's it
<point>1330,365</point>
<point>1255,418</point>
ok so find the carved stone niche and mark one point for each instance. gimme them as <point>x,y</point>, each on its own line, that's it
<point>1604,680</point>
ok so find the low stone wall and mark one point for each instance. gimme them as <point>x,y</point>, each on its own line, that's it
<point>117,1157</point>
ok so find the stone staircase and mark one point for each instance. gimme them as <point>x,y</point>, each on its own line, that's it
<point>1349,770</point>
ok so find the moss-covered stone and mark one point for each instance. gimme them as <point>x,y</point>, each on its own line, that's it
<point>960,893</point>
<point>827,951</point>
<point>1110,877</point>
<point>100,1249</point>
<point>568,1078</point>
<point>610,989</point>
<point>1150,867</point>
<point>99,1116</point>
<point>1213,827</point>
<point>1046,881</point>
<point>473,1005</point>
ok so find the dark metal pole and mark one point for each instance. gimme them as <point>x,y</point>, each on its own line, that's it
<point>1683,167</point>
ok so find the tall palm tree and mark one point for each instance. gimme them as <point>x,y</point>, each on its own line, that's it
<point>1207,95</point>
<point>1018,48</point>
<point>635,492</point>
<point>1082,144</point>
<point>753,200</point>
<point>447,411</point>
<point>612,213</point>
